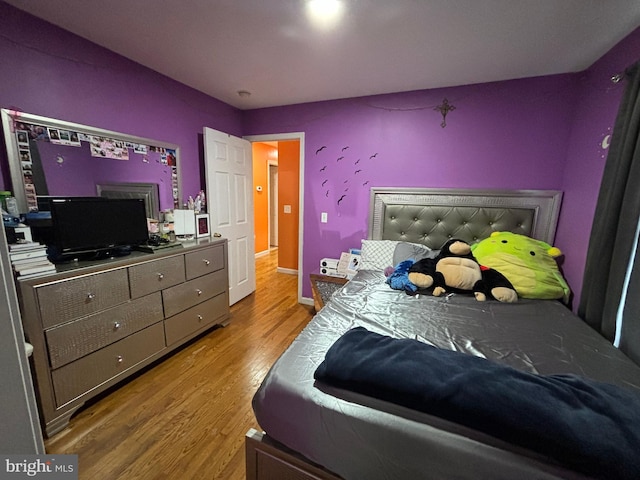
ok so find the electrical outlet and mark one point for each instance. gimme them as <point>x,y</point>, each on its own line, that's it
<point>323,217</point>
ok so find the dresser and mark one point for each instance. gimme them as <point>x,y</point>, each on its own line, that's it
<point>93,324</point>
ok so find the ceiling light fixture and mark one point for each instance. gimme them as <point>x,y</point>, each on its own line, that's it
<point>244,93</point>
<point>325,14</point>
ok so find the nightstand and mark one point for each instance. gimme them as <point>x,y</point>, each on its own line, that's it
<point>323,287</point>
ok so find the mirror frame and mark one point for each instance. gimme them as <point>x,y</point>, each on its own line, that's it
<point>15,167</point>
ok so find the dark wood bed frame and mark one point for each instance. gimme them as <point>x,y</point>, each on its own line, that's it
<point>428,216</point>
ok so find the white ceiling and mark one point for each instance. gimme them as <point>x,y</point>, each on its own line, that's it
<point>271,49</point>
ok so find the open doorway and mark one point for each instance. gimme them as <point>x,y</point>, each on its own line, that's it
<point>276,168</point>
<point>280,221</point>
<point>265,196</point>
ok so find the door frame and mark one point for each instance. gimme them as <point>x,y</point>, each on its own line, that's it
<point>272,212</point>
<point>276,137</point>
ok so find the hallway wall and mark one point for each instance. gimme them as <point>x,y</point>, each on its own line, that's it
<point>262,152</point>
<point>288,194</point>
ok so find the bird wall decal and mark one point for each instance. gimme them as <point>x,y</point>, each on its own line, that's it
<point>357,172</point>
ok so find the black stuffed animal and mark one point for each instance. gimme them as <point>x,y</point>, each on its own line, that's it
<point>455,269</point>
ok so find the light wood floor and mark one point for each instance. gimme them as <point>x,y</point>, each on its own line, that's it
<point>186,417</point>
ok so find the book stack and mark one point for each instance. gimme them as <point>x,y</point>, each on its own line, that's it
<point>29,259</point>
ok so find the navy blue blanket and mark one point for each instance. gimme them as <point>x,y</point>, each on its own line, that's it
<point>590,427</point>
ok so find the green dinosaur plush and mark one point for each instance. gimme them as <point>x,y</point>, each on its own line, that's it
<point>529,264</point>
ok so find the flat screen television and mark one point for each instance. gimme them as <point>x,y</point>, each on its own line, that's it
<point>95,227</point>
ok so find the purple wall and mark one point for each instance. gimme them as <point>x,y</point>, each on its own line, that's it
<point>50,72</point>
<point>597,106</point>
<point>501,135</point>
<point>542,133</point>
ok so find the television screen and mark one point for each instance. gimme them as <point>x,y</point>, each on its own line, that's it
<point>94,224</point>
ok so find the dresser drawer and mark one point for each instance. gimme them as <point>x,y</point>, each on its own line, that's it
<point>76,339</point>
<point>179,298</point>
<point>70,299</point>
<point>154,276</point>
<point>89,372</point>
<point>205,261</point>
<point>202,315</point>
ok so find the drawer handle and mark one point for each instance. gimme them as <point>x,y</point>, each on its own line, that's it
<point>206,262</point>
<point>116,325</point>
<point>160,276</point>
<point>119,359</point>
<point>91,296</point>
<point>198,291</point>
<point>200,318</point>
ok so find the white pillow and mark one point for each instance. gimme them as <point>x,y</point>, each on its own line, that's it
<point>414,251</point>
<point>377,254</point>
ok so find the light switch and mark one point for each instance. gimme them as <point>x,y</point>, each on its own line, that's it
<point>323,217</point>
<point>287,209</point>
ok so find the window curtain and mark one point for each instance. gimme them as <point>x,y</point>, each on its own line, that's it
<point>613,236</point>
<point>630,329</point>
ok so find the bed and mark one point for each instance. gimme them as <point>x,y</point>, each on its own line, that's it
<point>312,429</point>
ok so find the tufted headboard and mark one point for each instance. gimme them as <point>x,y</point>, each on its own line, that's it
<point>432,216</point>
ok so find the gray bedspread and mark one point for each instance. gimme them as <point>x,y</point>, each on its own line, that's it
<point>360,437</point>
<point>591,427</point>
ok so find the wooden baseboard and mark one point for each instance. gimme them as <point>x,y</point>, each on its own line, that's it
<point>289,271</point>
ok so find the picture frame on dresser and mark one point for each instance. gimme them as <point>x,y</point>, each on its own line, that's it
<point>203,225</point>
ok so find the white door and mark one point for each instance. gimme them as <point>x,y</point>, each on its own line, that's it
<point>229,176</point>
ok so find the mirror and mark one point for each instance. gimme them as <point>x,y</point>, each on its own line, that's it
<point>49,157</point>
